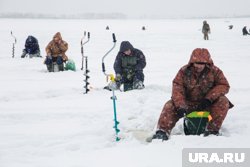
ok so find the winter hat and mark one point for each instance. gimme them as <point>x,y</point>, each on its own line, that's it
<point>126,45</point>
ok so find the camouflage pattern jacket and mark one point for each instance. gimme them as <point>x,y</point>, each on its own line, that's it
<point>189,87</point>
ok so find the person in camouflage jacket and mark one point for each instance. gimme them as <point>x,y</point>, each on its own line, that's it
<point>198,86</point>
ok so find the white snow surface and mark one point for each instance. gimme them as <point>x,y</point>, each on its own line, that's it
<point>47,121</point>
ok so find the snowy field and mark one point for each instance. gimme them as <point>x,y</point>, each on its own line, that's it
<point>47,121</point>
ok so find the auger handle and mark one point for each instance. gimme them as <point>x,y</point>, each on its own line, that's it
<point>114,39</point>
<point>103,67</point>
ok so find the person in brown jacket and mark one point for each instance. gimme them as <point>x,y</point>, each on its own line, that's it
<point>56,52</point>
<point>198,86</point>
<point>205,30</point>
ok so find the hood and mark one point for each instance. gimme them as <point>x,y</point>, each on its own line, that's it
<point>126,45</point>
<point>58,35</point>
<point>200,55</point>
<point>31,39</point>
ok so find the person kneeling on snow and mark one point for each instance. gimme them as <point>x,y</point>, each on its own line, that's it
<point>128,66</point>
<point>31,48</point>
<point>198,86</point>
<point>244,31</point>
<point>56,53</point>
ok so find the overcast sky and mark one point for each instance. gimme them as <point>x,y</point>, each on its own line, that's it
<point>132,8</point>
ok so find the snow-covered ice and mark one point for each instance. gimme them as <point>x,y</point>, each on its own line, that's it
<point>47,121</point>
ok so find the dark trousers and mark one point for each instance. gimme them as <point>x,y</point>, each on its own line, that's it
<point>218,111</point>
<point>57,59</point>
<point>130,78</point>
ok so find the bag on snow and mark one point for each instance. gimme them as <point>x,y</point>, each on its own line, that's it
<point>70,65</point>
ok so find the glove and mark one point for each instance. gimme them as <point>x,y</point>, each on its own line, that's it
<point>129,76</point>
<point>204,104</point>
<point>118,77</point>
<point>181,112</point>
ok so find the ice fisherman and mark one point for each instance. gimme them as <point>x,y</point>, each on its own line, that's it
<point>199,85</point>
<point>206,29</point>
<point>244,31</point>
<point>128,66</point>
<point>55,51</point>
<point>31,48</point>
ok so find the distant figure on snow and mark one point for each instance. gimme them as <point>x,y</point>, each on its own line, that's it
<point>56,53</point>
<point>198,86</point>
<point>206,30</point>
<point>107,28</point>
<point>244,31</point>
<point>128,66</point>
<point>230,27</point>
<point>143,28</point>
<point>31,48</point>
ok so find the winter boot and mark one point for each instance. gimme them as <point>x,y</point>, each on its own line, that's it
<point>23,54</point>
<point>137,84</point>
<point>61,67</point>
<point>160,135</point>
<point>49,68</point>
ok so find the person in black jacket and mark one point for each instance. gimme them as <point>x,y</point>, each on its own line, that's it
<point>128,66</point>
<point>244,31</point>
<point>31,48</point>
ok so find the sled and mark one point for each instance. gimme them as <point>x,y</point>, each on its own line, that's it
<point>195,123</point>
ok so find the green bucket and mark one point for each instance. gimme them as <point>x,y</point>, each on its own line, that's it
<point>70,65</point>
<point>196,122</point>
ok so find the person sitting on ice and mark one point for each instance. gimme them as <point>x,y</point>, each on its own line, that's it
<point>56,53</point>
<point>31,48</point>
<point>244,31</point>
<point>128,66</point>
<point>198,86</point>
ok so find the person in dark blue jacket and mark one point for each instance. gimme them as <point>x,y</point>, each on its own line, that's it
<point>31,48</point>
<point>128,66</point>
<point>244,31</point>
